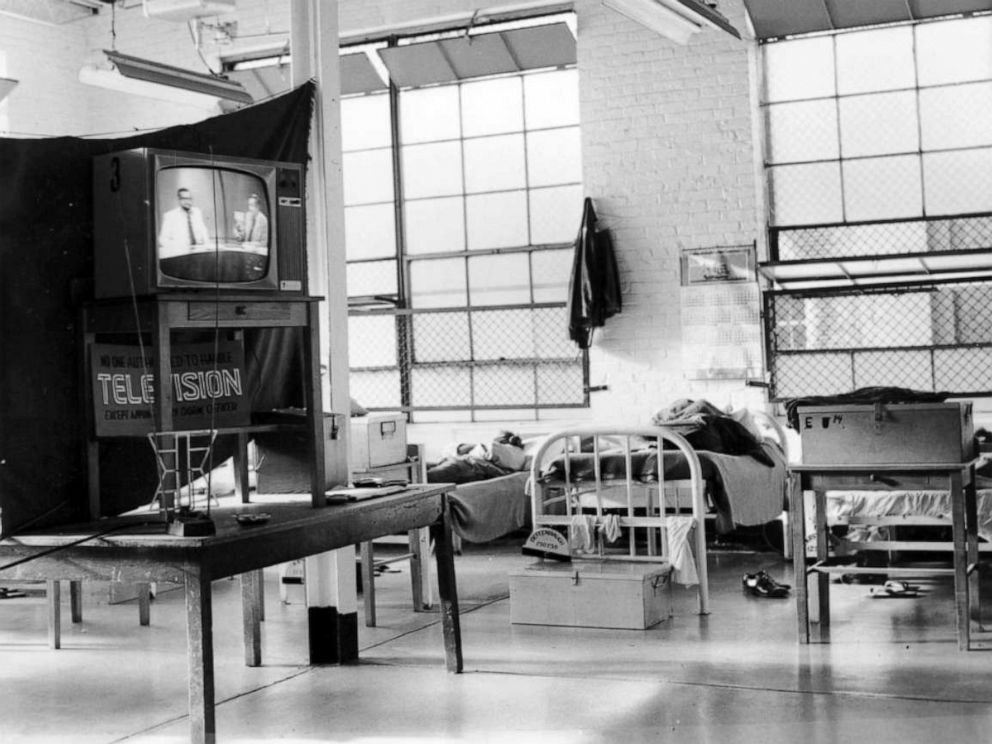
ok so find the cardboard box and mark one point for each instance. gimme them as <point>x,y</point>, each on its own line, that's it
<point>591,594</point>
<point>377,439</point>
<point>887,434</point>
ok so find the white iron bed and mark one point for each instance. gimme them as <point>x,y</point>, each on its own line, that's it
<point>640,502</point>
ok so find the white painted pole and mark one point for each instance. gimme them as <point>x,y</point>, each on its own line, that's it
<point>330,578</point>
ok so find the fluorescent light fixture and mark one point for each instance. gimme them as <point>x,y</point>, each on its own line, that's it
<point>6,85</point>
<point>110,79</point>
<point>184,10</point>
<point>143,77</point>
<point>176,77</point>
<point>677,20</point>
<point>94,6</point>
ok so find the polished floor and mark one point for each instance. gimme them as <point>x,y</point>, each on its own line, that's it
<point>891,673</point>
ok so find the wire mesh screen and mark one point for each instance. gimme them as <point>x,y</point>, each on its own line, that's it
<point>466,359</point>
<point>935,337</point>
<point>973,232</point>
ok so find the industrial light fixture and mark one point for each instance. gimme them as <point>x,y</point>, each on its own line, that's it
<point>6,85</point>
<point>156,80</point>
<point>677,20</point>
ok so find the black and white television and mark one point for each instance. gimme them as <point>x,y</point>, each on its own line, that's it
<point>167,221</point>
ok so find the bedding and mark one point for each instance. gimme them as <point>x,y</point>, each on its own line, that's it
<point>490,497</point>
<point>488,509</point>
<point>742,489</point>
<point>843,506</point>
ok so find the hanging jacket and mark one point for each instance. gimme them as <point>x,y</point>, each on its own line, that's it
<point>594,286</point>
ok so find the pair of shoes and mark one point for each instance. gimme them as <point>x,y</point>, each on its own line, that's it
<point>762,585</point>
<point>6,593</point>
<point>894,589</point>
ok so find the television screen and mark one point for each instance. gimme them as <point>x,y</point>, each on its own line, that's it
<point>213,224</point>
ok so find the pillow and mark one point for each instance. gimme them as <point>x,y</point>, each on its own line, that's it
<point>507,456</point>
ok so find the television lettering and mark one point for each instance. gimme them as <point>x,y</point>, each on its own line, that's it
<point>207,387</point>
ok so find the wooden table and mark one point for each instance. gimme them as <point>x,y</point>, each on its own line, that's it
<point>139,552</point>
<point>957,479</point>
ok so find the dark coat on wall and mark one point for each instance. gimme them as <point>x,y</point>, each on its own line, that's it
<point>594,286</point>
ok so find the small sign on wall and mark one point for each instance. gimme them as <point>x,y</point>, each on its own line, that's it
<point>208,383</point>
<point>718,265</point>
<point>721,316</point>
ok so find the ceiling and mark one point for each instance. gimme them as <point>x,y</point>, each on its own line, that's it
<point>51,11</point>
<point>769,18</point>
<point>778,18</point>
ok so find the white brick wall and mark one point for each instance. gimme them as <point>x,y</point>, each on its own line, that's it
<point>667,144</point>
<point>47,100</point>
<point>668,157</point>
<point>46,58</point>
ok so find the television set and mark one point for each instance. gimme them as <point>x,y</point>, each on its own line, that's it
<point>166,221</point>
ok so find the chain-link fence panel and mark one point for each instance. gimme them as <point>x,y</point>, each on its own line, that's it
<point>973,232</point>
<point>935,337</point>
<point>507,357</point>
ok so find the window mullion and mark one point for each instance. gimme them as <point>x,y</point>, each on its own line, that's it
<point>404,321</point>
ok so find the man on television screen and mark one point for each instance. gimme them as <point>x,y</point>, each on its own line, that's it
<point>252,228</point>
<point>183,227</point>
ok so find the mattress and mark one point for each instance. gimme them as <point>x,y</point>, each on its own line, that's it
<point>845,505</point>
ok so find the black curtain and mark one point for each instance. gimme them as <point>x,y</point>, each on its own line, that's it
<point>46,272</point>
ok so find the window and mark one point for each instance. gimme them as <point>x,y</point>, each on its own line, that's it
<point>463,194</point>
<point>879,175</point>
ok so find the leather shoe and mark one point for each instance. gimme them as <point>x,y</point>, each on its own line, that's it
<point>762,585</point>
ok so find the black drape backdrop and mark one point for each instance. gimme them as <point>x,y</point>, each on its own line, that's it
<point>46,268</point>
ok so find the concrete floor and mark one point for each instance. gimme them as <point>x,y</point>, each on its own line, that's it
<point>891,673</point>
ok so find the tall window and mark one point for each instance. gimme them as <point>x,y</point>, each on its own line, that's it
<point>879,173</point>
<point>462,198</point>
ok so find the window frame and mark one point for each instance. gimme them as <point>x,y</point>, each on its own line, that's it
<point>400,306</point>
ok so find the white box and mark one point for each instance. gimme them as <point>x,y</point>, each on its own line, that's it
<point>591,594</point>
<point>377,439</point>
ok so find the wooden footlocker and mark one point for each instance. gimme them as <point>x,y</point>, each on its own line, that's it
<point>591,594</point>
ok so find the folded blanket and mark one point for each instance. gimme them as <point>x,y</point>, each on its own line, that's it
<point>752,494</point>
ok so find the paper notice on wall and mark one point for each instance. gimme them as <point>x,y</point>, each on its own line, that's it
<point>721,331</point>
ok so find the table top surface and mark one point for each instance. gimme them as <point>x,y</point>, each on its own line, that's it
<point>286,512</point>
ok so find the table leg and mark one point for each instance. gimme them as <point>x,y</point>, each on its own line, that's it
<point>144,604</point>
<point>54,595</point>
<point>797,521</point>
<point>822,553</point>
<point>419,541</point>
<point>199,640</point>
<point>447,593</point>
<point>959,528</point>
<point>261,596</point>
<point>76,601</point>
<point>251,615</point>
<point>974,566</point>
<point>240,463</point>
<point>368,582</point>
